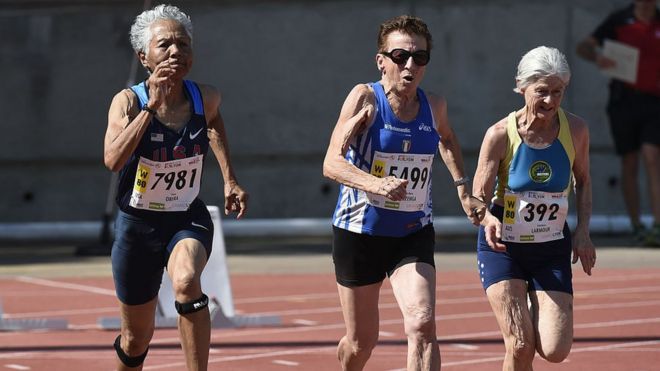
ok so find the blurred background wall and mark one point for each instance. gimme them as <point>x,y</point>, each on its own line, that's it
<point>284,68</point>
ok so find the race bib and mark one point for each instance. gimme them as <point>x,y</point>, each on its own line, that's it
<point>166,186</point>
<point>415,168</point>
<point>533,216</point>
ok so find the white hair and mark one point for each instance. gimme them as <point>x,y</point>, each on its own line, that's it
<point>541,62</point>
<point>141,28</point>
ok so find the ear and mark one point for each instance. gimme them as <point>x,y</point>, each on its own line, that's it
<point>380,62</point>
<point>519,89</point>
<point>143,60</point>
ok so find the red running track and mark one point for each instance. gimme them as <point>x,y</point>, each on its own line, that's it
<point>617,325</point>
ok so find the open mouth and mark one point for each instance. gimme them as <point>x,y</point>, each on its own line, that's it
<point>408,78</point>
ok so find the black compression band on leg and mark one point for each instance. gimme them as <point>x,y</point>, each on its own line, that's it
<point>193,306</point>
<point>125,358</point>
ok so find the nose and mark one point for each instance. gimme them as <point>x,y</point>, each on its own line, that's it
<point>409,62</point>
<point>174,50</point>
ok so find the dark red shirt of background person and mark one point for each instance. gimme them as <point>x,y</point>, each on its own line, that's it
<point>624,27</point>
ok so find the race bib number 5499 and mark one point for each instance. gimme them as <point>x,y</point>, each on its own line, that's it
<point>416,168</point>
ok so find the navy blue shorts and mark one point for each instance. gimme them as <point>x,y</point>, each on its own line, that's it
<point>545,266</point>
<point>143,243</point>
<point>362,259</point>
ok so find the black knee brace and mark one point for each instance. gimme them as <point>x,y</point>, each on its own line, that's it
<point>125,358</point>
<point>193,306</point>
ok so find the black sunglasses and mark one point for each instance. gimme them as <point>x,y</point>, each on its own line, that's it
<point>401,56</point>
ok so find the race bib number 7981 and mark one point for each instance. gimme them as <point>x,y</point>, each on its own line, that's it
<point>166,186</point>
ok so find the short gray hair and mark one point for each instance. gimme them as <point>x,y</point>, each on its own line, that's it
<point>541,62</point>
<point>141,28</point>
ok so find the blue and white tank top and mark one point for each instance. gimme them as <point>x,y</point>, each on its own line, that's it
<point>391,147</point>
<point>160,144</point>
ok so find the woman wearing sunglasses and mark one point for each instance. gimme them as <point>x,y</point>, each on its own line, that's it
<point>381,152</point>
<point>158,134</point>
<point>530,160</point>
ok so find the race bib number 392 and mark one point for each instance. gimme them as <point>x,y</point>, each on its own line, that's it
<point>533,216</point>
<point>416,168</point>
<point>166,186</point>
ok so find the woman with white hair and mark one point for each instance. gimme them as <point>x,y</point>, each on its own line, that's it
<point>158,134</point>
<point>528,163</point>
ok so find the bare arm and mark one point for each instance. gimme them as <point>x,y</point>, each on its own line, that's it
<point>450,150</point>
<point>356,114</point>
<point>588,50</point>
<point>583,248</point>
<point>126,125</point>
<point>235,197</point>
<point>493,150</point>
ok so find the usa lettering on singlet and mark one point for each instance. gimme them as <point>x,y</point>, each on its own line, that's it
<point>537,182</point>
<point>165,171</point>
<point>390,147</point>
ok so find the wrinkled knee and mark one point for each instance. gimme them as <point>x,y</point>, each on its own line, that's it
<point>521,349</point>
<point>360,347</point>
<point>420,325</point>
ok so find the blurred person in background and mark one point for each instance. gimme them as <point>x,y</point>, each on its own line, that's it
<point>381,152</point>
<point>157,139</point>
<point>634,107</point>
<point>529,161</point>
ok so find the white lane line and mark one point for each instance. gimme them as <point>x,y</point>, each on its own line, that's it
<point>304,322</point>
<point>465,346</point>
<point>626,322</point>
<point>615,346</point>
<point>629,304</point>
<point>17,367</point>
<point>285,363</point>
<point>623,290</point>
<point>623,278</point>
<point>64,285</point>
